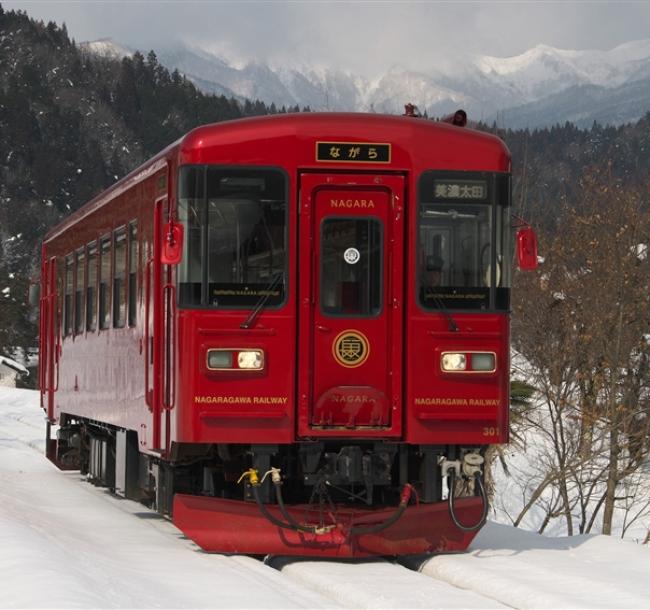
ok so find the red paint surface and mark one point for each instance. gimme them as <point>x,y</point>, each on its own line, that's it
<point>229,526</point>
<point>472,407</point>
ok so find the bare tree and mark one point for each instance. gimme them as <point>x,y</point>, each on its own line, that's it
<point>582,325</point>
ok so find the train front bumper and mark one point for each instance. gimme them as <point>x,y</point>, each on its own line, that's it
<point>234,526</point>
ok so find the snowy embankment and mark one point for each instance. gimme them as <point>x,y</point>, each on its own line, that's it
<point>65,543</point>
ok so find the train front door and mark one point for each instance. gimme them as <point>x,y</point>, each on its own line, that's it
<point>351,293</point>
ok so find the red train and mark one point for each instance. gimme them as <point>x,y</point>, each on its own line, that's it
<point>290,333</point>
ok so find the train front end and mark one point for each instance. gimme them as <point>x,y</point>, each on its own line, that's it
<point>340,335</point>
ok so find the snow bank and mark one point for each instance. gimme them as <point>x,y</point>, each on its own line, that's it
<point>67,544</point>
<point>525,570</point>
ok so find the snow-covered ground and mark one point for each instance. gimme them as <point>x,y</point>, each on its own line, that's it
<point>67,544</point>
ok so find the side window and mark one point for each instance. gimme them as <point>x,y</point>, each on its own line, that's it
<point>67,302</point>
<point>105,283</point>
<point>119,277</point>
<point>60,297</point>
<point>191,212</point>
<point>134,262</point>
<point>91,289</point>
<point>79,288</point>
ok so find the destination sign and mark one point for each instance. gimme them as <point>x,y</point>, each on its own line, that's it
<point>468,190</point>
<point>352,152</point>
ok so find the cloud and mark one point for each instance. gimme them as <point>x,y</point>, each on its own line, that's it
<point>367,37</point>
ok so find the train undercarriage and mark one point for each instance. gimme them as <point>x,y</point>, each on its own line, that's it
<point>334,498</point>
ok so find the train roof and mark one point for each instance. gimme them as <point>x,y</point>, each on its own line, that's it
<point>319,124</point>
<point>415,134</point>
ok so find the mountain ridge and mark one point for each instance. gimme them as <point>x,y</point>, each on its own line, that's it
<point>530,89</point>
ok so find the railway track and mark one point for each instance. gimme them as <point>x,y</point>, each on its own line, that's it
<point>378,583</point>
<point>507,568</point>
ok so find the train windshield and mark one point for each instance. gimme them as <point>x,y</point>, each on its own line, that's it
<point>463,247</point>
<point>235,246</point>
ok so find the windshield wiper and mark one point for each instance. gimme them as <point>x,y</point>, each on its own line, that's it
<point>453,327</point>
<point>248,322</point>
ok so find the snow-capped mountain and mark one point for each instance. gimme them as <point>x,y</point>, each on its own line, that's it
<point>542,86</point>
<point>107,48</point>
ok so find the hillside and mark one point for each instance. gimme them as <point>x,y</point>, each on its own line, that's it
<point>72,123</point>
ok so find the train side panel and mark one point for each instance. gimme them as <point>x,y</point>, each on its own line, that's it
<point>99,368</point>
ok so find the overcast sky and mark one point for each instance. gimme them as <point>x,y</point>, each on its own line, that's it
<point>365,37</point>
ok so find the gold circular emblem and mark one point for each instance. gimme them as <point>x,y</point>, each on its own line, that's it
<point>350,348</point>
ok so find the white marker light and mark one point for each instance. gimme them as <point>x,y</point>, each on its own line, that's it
<point>453,362</point>
<point>251,360</point>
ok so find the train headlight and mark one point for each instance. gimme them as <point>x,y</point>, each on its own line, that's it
<point>453,362</point>
<point>235,359</point>
<point>251,359</point>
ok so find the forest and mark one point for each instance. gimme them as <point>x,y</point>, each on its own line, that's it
<point>72,124</point>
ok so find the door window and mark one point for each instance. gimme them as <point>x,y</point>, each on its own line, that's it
<point>351,266</point>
